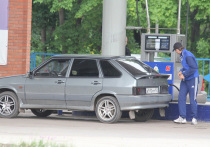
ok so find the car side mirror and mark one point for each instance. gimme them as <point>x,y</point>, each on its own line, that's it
<point>29,75</point>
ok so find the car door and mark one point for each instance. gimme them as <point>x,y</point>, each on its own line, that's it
<point>48,84</point>
<point>83,82</point>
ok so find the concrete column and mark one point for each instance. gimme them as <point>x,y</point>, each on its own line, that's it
<point>113,27</point>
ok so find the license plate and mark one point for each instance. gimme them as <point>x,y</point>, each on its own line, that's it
<point>151,90</point>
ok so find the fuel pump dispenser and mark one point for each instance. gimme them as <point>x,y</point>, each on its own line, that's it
<point>152,43</point>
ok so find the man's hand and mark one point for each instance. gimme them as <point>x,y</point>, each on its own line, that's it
<point>181,77</point>
<point>180,73</point>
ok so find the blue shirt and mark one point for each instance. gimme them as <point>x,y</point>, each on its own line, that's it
<point>190,66</point>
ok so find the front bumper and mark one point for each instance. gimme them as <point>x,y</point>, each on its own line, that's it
<point>131,102</point>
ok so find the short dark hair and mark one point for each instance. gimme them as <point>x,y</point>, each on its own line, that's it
<point>178,45</point>
<point>181,49</point>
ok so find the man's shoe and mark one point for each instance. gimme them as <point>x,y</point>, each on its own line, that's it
<point>194,121</point>
<point>180,120</point>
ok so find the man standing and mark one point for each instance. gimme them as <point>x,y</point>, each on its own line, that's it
<point>189,77</point>
<point>127,51</point>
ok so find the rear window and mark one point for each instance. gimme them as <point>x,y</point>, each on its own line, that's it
<point>136,67</point>
<point>109,71</point>
<point>84,68</point>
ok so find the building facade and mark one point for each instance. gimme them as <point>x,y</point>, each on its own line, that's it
<point>17,48</point>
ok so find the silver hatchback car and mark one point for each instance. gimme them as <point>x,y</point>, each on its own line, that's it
<point>106,85</point>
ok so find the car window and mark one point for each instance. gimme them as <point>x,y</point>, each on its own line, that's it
<point>136,67</point>
<point>55,68</point>
<point>84,68</point>
<point>109,70</point>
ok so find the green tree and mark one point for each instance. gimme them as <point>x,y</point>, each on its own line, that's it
<point>80,30</point>
<point>43,25</point>
<point>199,25</point>
<point>81,27</point>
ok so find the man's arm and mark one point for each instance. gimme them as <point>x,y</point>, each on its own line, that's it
<point>193,66</point>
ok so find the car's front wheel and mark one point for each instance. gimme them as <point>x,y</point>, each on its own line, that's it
<point>143,115</point>
<point>41,112</point>
<point>108,110</point>
<point>9,106</point>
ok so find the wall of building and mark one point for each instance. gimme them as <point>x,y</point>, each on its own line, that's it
<point>19,38</point>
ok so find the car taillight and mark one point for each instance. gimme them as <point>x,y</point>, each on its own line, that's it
<point>203,85</point>
<point>139,90</point>
<point>164,89</point>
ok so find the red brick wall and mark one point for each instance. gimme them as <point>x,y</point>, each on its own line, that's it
<point>19,38</point>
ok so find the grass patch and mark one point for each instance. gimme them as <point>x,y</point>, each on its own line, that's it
<point>35,144</point>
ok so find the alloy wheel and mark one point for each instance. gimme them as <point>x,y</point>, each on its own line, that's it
<point>7,105</point>
<point>107,110</point>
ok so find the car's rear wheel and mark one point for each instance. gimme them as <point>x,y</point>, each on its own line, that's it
<point>143,115</point>
<point>9,106</point>
<point>108,110</point>
<point>41,112</point>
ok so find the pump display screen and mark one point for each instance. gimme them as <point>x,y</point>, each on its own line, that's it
<point>157,42</point>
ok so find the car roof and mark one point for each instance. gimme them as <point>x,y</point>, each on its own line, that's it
<point>156,59</point>
<point>89,56</point>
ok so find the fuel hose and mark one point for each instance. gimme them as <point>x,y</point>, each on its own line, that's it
<point>174,86</point>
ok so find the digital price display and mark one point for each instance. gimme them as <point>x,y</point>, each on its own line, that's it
<point>157,42</point>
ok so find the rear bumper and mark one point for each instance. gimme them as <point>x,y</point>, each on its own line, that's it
<point>131,102</point>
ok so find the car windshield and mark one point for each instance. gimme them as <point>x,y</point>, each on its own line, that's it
<point>136,67</point>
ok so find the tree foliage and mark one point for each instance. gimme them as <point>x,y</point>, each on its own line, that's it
<point>82,29</point>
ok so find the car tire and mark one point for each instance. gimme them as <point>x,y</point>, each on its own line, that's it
<point>9,106</point>
<point>41,112</point>
<point>108,110</point>
<point>143,115</point>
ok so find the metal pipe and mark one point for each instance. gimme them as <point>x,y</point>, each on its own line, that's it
<point>137,28</point>
<point>137,11</point>
<point>156,31</point>
<point>156,27</point>
<point>179,15</point>
<point>187,21</point>
<point>148,21</point>
<point>133,28</point>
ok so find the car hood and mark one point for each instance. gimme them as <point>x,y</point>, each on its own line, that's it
<point>12,77</point>
<point>12,80</point>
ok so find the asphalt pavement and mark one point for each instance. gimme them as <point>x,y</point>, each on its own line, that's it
<point>80,131</point>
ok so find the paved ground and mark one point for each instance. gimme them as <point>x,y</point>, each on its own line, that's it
<point>89,132</point>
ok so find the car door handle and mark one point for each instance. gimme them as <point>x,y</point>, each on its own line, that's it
<point>59,82</point>
<point>95,82</point>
